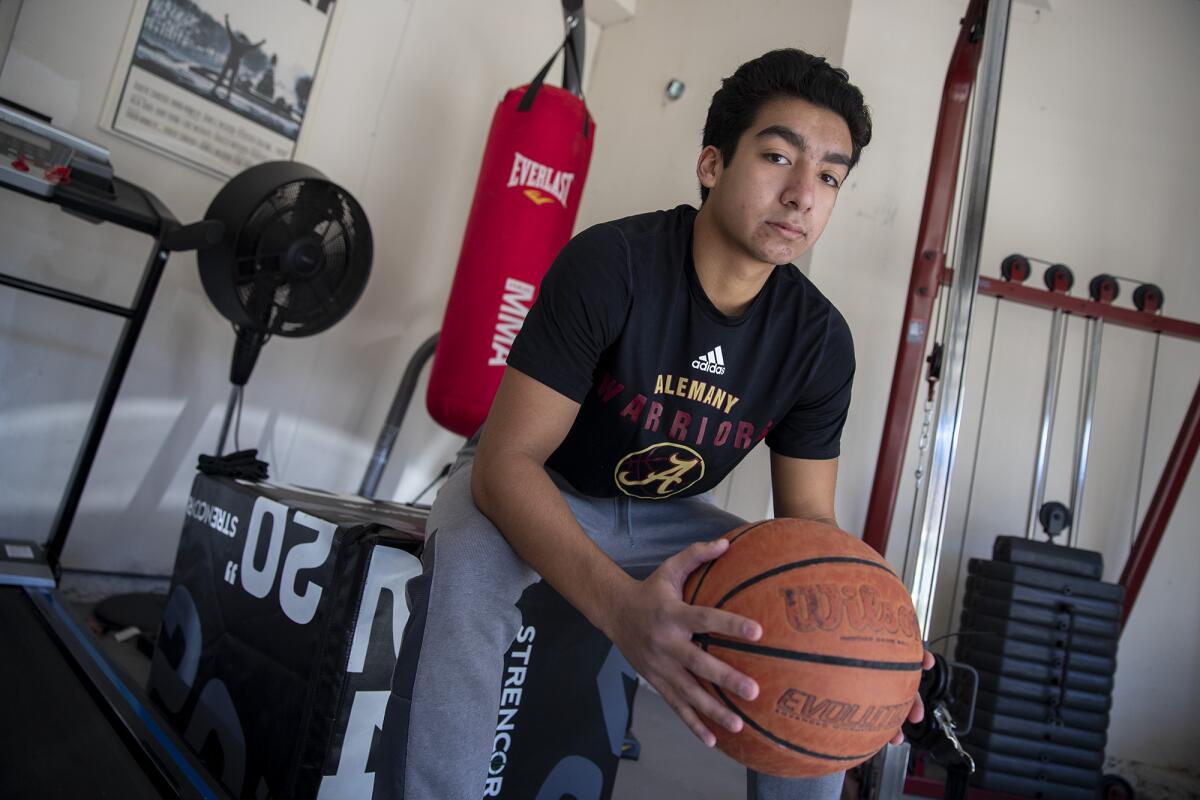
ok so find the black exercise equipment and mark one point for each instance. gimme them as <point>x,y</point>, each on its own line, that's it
<point>294,259</point>
<point>75,726</point>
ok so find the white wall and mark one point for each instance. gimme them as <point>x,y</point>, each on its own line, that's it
<point>399,117</point>
<point>1095,167</point>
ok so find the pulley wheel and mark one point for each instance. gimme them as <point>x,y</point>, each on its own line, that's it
<point>1059,278</point>
<point>1148,298</point>
<point>1104,288</point>
<point>1055,518</point>
<point>1015,268</point>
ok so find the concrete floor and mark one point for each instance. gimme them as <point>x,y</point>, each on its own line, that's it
<point>673,763</point>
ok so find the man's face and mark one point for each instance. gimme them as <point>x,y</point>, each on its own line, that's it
<point>772,200</point>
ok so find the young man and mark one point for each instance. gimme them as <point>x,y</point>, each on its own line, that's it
<point>660,350</point>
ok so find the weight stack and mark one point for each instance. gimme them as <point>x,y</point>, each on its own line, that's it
<point>1041,628</point>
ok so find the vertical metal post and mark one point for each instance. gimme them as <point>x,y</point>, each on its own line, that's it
<point>230,406</point>
<point>1083,436</point>
<point>109,390</point>
<point>887,771</point>
<point>1054,355</point>
<point>929,262</point>
<point>921,574</point>
<point>395,417</point>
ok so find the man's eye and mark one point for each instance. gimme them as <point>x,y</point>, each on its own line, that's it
<point>777,158</point>
<point>831,180</point>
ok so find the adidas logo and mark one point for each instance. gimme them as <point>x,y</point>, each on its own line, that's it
<point>713,361</point>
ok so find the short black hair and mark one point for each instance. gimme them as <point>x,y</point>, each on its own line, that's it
<point>787,73</point>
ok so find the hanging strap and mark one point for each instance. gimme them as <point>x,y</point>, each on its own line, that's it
<point>535,85</point>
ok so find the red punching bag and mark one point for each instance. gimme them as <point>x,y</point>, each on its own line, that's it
<point>526,199</point>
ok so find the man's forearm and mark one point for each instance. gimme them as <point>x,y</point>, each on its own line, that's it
<point>515,493</point>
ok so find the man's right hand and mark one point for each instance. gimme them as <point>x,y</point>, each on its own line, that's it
<point>653,628</point>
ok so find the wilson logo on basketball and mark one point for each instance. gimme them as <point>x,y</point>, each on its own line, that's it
<point>827,607</point>
<point>827,712</point>
<point>659,471</point>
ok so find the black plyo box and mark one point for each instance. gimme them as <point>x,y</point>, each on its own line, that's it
<point>282,626</point>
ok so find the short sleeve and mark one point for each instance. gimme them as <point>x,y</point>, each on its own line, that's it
<point>813,426</point>
<point>580,310</point>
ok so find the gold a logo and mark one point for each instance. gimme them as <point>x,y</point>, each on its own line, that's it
<point>659,471</point>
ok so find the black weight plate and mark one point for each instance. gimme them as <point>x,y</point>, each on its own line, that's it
<point>1047,732</point>
<point>1043,654</point>
<point>1033,671</point>
<point>1075,642</point>
<point>1036,769</point>
<point>1042,693</point>
<point>1068,585</point>
<point>1016,592</point>
<point>991,702</point>
<point>1033,749</point>
<point>1026,787</point>
<point>1040,615</point>
<point>1068,560</point>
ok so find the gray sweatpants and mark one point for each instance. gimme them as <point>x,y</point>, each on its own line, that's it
<point>447,684</point>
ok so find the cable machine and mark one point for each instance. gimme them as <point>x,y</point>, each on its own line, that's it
<point>972,86</point>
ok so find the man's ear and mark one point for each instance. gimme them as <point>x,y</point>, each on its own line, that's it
<point>709,166</point>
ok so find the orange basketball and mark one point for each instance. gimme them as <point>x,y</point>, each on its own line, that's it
<point>839,660</point>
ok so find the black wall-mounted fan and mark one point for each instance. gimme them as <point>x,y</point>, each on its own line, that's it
<point>294,259</point>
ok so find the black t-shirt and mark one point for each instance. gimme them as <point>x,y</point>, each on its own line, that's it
<point>674,393</point>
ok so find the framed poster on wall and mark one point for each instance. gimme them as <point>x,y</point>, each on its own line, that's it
<point>219,84</point>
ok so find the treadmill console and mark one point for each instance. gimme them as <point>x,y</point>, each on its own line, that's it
<point>37,158</point>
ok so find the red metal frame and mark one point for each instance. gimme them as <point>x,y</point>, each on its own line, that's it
<point>1126,317</point>
<point>1159,513</point>
<point>928,266</point>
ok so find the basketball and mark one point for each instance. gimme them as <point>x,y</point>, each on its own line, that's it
<point>839,660</point>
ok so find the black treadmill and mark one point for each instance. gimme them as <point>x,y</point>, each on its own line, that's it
<point>71,724</point>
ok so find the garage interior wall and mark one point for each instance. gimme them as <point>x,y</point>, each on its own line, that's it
<point>399,117</point>
<point>1095,167</point>
<point>400,112</point>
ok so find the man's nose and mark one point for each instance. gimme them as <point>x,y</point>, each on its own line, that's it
<point>799,191</point>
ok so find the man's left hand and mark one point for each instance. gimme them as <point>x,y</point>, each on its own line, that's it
<point>917,712</point>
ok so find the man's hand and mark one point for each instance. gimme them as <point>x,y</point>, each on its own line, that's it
<point>917,712</point>
<point>653,627</point>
